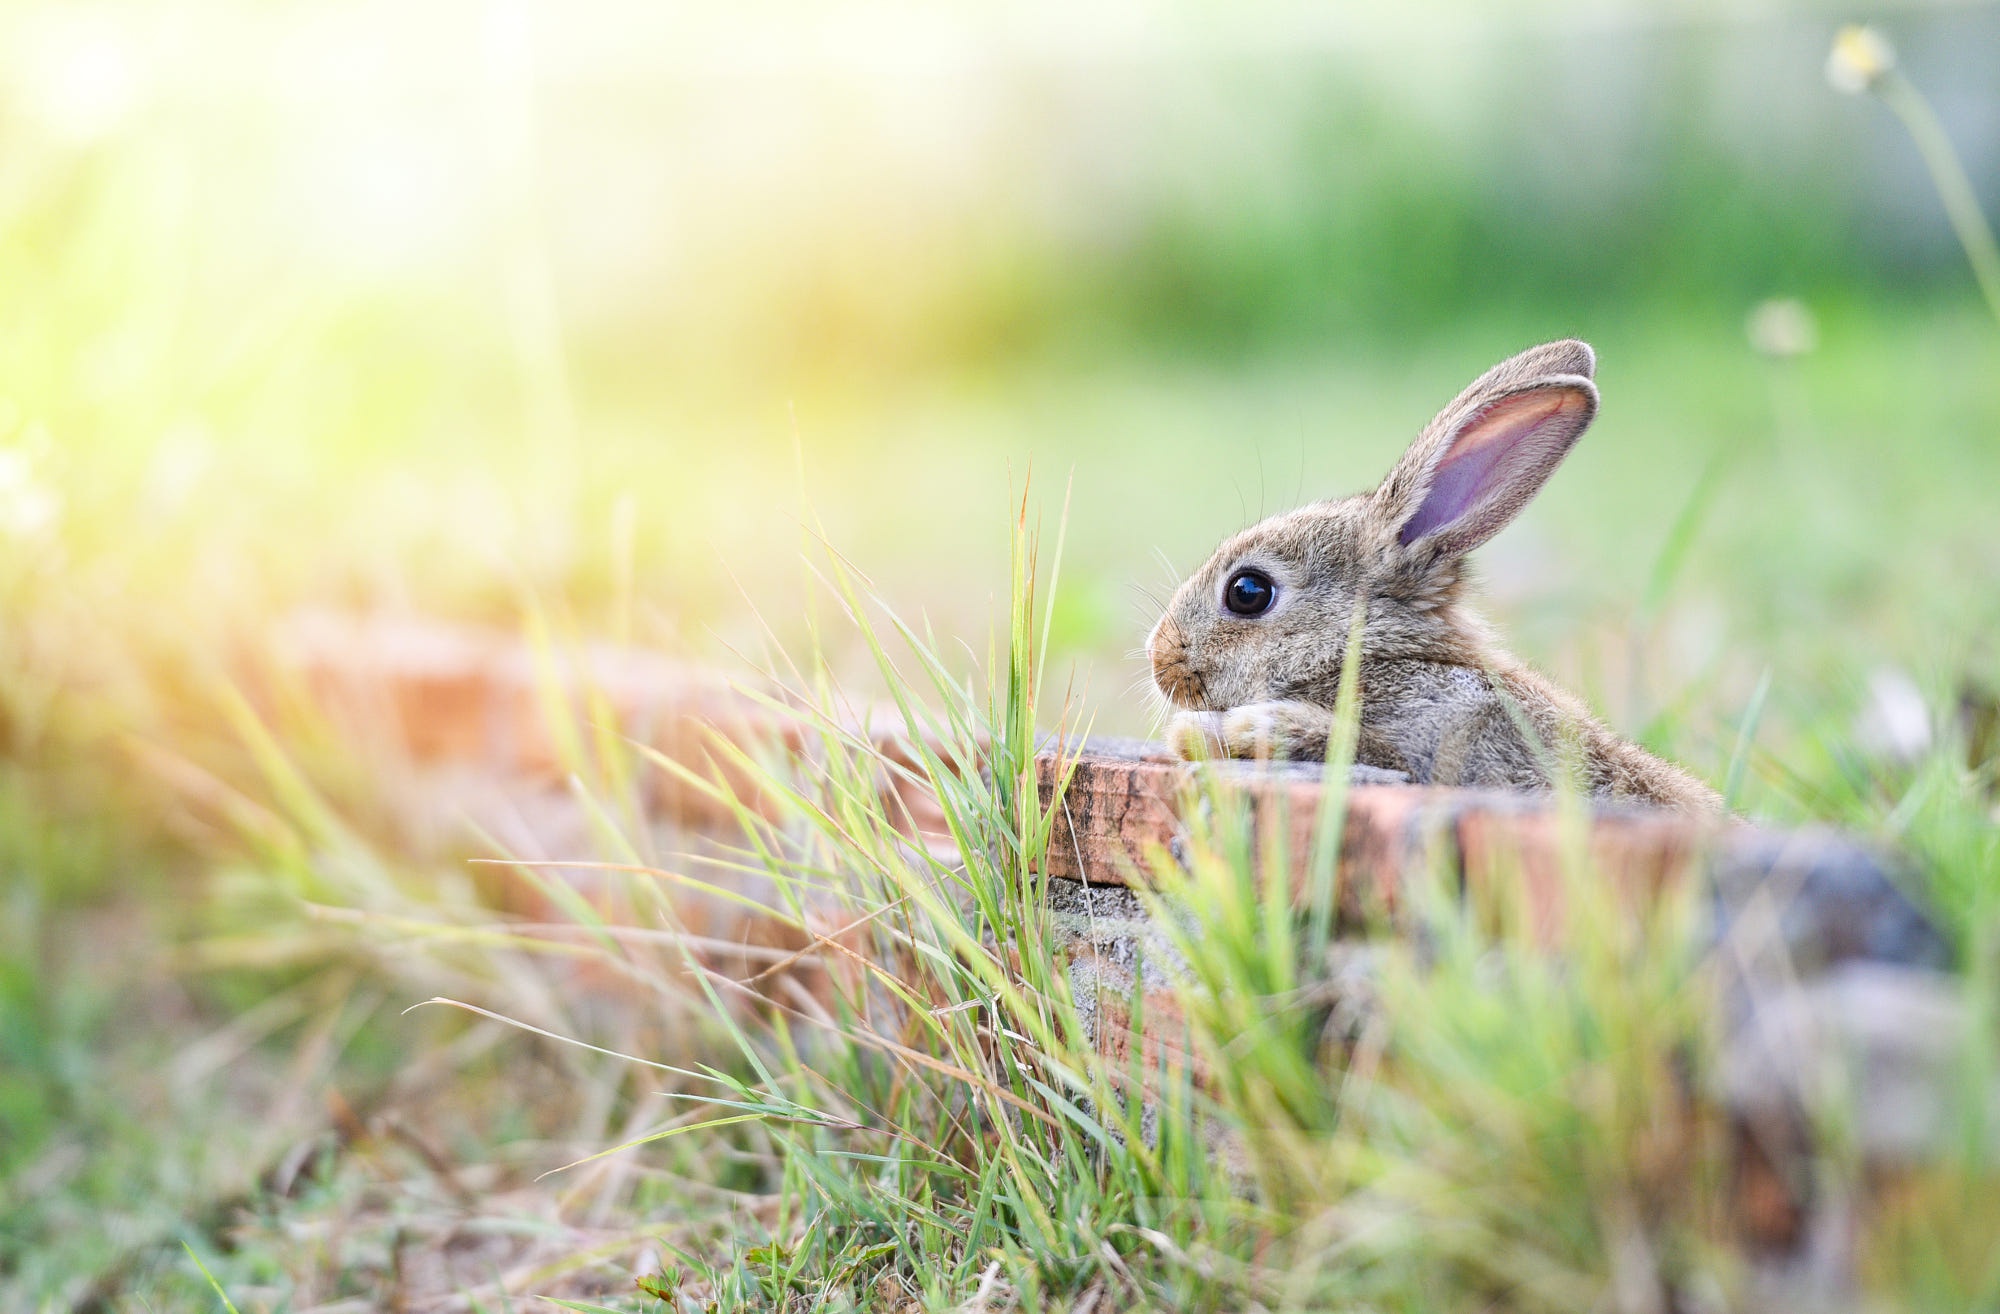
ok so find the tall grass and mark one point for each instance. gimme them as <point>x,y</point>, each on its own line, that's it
<point>938,1124</point>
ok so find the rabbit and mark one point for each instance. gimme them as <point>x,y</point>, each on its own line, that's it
<point>1251,646</point>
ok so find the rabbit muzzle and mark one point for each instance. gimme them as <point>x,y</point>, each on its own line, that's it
<point>1173,671</point>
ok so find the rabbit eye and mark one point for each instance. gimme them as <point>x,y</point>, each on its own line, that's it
<point>1249,593</point>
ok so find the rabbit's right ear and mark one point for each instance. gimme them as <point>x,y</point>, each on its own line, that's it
<point>1485,455</point>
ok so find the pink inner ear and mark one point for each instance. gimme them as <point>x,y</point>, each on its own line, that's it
<point>1472,466</point>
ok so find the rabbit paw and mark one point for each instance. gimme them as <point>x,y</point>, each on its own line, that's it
<point>1196,736</point>
<point>1283,729</point>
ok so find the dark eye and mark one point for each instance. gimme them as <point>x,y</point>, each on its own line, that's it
<point>1249,593</point>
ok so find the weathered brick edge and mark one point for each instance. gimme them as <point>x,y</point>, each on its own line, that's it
<point>1127,802</point>
<point>439,695</point>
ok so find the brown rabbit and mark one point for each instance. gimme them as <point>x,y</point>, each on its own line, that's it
<point>1251,646</point>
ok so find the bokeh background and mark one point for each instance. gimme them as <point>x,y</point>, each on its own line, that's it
<point>423,307</point>
<point>608,309</point>
<point>407,305</point>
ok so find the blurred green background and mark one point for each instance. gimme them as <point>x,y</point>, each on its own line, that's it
<point>610,307</point>
<point>425,307</point>
<point>395,306</point>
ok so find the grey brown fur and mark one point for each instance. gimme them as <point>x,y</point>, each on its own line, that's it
<point>1440,699</point>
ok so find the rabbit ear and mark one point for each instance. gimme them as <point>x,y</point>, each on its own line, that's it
<point>1491,450</point>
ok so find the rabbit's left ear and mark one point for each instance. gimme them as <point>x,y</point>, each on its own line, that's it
<point>1480,462</point>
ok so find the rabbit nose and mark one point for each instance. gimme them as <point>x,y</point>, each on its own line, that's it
<point>1171,670</point>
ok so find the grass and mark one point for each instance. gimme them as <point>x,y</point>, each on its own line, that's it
<point>939,1129</point>
<point>219,913</point>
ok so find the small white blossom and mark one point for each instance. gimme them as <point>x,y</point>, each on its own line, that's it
<point>1861,57</point>
<point>1782,328</point>
<point>1894,721</point>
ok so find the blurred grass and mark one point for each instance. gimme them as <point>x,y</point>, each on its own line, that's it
<point>461,314</point>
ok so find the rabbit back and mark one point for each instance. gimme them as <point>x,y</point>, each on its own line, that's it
<point>1507,727</point>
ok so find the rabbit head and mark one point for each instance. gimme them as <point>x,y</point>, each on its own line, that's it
<point>1268,616</point>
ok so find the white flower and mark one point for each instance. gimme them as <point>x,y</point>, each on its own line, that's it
<point>1782,327</point>
<point>1894,721</point>
<point>1861,57</point>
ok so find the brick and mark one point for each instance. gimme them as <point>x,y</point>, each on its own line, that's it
<point>1833,899</point>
